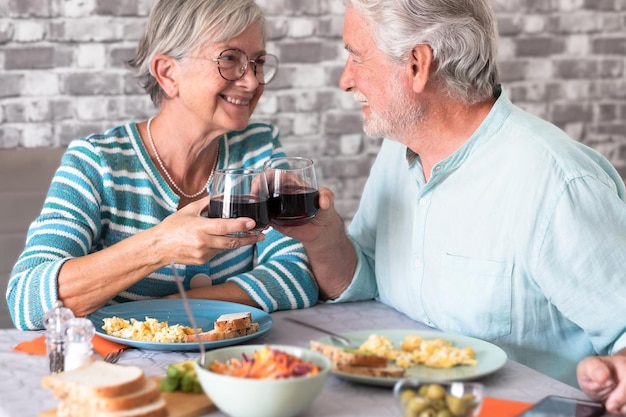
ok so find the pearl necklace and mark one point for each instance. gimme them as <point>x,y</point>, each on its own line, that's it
<point>167,174</point>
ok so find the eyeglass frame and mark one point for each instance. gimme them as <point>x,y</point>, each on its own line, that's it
<point>245,66</point>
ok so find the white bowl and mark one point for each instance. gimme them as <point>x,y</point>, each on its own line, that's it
<point>459,399</point>
<point>246,397</point>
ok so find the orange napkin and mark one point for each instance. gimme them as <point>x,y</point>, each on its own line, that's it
<point>496,407</point>
<point>37,346</point>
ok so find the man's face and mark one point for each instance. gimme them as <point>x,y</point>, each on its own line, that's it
<point>382,86</point>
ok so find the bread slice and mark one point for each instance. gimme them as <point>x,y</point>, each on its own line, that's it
<point>155,408</point>
<point>146,395</point>
<point>340,357</point>
<point>390,371</point>
<point>233,321</point>
<point>213,335</point>
<point>96,379</point>
<point>102,389</point>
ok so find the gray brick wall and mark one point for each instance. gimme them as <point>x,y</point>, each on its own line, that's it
<point>62,75</point>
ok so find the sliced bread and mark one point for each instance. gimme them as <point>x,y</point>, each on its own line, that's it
<point>213,335</point>
<point>146,395</point>
<point>233,321</point>
<point>341,357</point>
<point>155,408</point>
<point>96,379</point>
<point>390,371</point>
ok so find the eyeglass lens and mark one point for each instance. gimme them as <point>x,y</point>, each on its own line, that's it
<point>234,63</point>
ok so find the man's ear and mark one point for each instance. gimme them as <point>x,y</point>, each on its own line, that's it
<point>420,63</point>
<point>165,70</point>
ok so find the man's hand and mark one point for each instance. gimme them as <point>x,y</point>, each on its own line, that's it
<point>603,378</point>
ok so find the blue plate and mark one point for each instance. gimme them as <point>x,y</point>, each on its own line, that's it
<point>205,313</point>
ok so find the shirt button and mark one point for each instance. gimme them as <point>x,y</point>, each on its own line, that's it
<point>438,167</point>
<point>422,201</point>
<point>418,263</point>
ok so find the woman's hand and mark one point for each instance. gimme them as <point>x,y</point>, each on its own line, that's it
<point>187,237</point>
<point>603,378</point>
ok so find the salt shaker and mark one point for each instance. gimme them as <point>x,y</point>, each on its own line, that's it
<point>55,321</point>
<point>79,346</point>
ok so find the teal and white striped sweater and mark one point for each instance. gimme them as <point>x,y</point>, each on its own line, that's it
<point>107,189</point>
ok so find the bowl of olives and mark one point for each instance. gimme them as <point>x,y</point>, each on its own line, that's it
<point>420,398</point>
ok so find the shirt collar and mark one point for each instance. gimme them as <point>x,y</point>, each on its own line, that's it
<point>500,111</point>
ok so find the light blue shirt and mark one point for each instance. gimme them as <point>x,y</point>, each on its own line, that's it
<point>518,238</point>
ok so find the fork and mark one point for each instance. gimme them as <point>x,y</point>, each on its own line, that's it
<point>333,336</point>
<point>112,357</point>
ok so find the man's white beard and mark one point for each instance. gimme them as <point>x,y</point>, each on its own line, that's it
<point>402,115</point>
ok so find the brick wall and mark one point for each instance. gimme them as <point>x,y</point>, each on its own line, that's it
<point>62,75</point>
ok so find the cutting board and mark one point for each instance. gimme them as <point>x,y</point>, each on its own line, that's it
<point>179,404</point>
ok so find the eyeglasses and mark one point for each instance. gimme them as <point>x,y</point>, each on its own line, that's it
<point>232,65</point>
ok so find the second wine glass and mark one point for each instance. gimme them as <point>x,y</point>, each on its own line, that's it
<point>292,189</point>
<point>240,192</point>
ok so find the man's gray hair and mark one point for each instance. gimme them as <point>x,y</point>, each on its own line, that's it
<point>461,33</point>
<point>177,27</point>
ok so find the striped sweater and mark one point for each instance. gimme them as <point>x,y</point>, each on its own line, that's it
<point>107,189</point>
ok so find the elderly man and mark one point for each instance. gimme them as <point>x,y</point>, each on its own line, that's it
<point>477,217</point>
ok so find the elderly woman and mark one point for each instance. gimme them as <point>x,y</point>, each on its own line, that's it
<point>127,202</point>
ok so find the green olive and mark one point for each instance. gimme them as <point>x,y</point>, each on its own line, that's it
<point>456,405</point>
<point>445,413</point>
<point>429,412</point>
<point>435,392</point>
<point>407,395</point>
<point>417,404</point>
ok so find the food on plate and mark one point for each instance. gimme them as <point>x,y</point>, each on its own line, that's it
<point>102,389</point>
<point>233,321</point>
<point>434,400</point>
<point>378,357</point>
<point>227,326</point>
<point>415,350</point>
<point>181,376</point>
<point>150,330</point>
<point>265,363</point>
<point>359,362</point>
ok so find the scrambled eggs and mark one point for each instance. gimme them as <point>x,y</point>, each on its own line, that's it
<point>150,330</point>
<point>436,353</point>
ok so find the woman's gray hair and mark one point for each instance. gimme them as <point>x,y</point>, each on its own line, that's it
<point>461,33</point>
<point>177,27</point>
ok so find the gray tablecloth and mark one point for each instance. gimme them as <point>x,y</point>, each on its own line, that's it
<point>21,393</point>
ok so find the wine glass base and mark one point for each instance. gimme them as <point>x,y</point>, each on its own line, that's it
<point>244,234</point>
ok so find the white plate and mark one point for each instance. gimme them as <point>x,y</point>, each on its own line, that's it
<point>205,313</point>
<point>489,356</point>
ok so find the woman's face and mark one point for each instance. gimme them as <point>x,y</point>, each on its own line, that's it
<point>222,105</point>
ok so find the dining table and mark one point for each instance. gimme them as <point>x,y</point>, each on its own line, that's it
<point>21,393</point>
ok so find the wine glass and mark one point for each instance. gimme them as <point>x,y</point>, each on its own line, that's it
<point>292,189</point>
<point>239,192</point>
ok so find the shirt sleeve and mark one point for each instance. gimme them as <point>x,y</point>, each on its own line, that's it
<point>283,278</point>
<point>64,229</point>
<point>579,265</point>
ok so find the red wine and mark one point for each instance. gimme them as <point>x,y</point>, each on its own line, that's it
<point>293,207</point>
<point>241,206</point>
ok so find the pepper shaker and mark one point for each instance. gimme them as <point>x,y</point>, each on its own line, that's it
<point>55,321</point>
<point>79,346</point>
